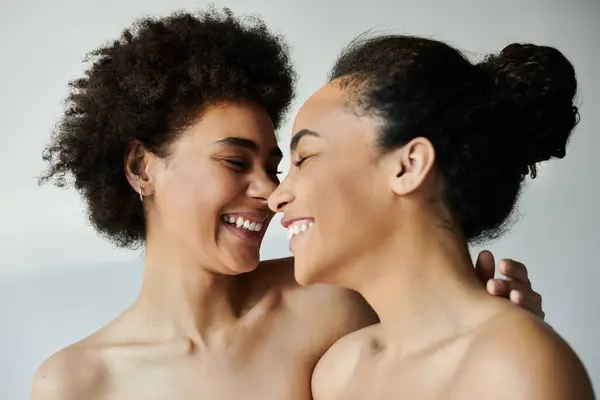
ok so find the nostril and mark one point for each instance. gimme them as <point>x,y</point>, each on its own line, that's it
<point>279,199</point>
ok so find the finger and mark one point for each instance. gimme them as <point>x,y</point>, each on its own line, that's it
<point>495,288</point>
<point>531,303</point>
<point>517,297</point>
<point>513,270</point>
<point>485,267</point>
<point>503,287</point>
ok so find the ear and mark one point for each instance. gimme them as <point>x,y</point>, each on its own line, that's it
<point>138,162</point>
<point>411,165</point>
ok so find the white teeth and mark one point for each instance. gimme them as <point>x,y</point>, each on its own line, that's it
<point>242,223</point>
<point>298,227</point>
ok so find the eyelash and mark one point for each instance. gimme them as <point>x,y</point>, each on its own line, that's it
<point>275,172</point>
<point>300,161</point>
<point>237,163</point>
<point>240,164</point>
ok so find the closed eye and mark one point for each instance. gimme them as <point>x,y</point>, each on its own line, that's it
<point>237,164</point>
<point>300,161</point>
<point>242,166</point>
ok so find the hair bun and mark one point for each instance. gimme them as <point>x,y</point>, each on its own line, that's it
<point>534,88</point>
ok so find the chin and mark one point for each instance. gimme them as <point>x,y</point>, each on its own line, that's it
<point>242,266</point>
<point>306,273</point>
<point>324,269</point>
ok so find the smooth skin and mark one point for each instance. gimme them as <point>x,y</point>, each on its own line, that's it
<point>209,323</point>
<point>374,228</point>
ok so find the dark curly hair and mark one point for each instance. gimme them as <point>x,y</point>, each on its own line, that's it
<point>147,87</point>
<point>490,123</point>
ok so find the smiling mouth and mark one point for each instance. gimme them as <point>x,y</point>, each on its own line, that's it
<point>242,223</point>
<point>297,228</point>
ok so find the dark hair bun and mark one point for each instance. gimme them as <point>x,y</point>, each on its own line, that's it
<point>537,86</point>
<point>489,123</point>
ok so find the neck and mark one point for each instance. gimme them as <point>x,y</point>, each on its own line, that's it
<point>423,286</point>
<point>182,298</point>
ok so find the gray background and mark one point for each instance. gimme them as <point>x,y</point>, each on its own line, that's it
<point>60,282</point>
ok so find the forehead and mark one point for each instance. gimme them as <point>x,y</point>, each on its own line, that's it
<point>323,108</point>
<point>329,113</point>
<point>243,120</point>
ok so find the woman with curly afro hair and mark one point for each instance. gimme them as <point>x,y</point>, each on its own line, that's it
<point>169,137</point>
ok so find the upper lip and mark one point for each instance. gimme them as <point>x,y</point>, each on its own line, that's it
<point>255,216</point>
<point>285,222</point>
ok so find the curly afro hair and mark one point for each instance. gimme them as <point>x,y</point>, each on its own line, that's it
<point>147,86</point>
<point>490,123</point>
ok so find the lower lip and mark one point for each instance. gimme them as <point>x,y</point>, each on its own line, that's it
<point>250,237</point>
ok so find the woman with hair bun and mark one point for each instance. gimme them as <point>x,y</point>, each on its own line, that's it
<point>409,153</point>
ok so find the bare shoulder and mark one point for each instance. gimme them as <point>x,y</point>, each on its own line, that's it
<point>71,373</point>
<point>327,312</point>
<point>322,302</point>
<point>517,347</point>
<point>342,311</point>
<point>335,310</point>
<point>336,368</point>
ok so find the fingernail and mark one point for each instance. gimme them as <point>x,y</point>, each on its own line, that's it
<point>503,265</point>
<point>517,297</point>
<point>498,284</point>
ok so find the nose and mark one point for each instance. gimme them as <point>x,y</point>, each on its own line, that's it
<point>261,187</point>
<point>281,197</point>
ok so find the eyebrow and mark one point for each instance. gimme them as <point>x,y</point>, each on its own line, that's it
<point>299,135</point>
<point>247,144</point>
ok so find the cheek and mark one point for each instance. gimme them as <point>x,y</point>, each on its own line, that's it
<point>348,211</point>
<point>365,206</point>
<point>190,196</point>
<point>343,195</point>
